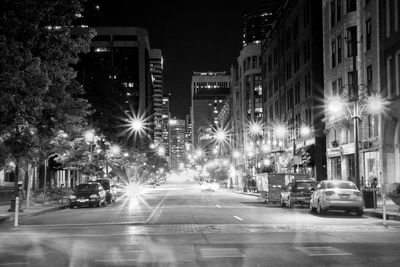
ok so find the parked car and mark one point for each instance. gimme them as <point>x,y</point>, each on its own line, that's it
<point>297,192</point>
<point>337,195</point>
<point>111,190</point>
<point>90,194</point>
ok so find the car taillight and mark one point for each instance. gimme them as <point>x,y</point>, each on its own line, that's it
<point>358,194</point>
<point>329,193</point>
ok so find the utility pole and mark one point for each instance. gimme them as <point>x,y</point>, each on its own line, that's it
<point>356,116</point>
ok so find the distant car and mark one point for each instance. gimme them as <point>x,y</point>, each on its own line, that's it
<point>111,190</point>
<point>90,194</point>
<point>337,195</point>
<point>297,192</point>
<point>209,185</point>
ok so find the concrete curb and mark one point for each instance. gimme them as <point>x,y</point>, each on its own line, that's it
<point>379,214</point>
<point>10,217</point>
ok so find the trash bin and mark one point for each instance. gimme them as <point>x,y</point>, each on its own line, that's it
<point>369,195</point>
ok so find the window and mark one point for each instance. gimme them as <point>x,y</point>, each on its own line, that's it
<point>296,61</point>
<point>290,99</point>
<point>9,177</point>
<point>339,50</point>
<point>254,62</point>
<point>334,88</point>
<point>339,9</point>
<point>368,33</point>
<point>275,56</point>
<point>352,41</point>
<point>271,113</point>
<point>369,80</point>
<point>333,14</point>
<point>370,126</point>
<point>288,69</point>
<point>297,93</point>
<point>333,53</point>
<point>353,84</point>
<point>351,5</point>
<point>276,108</point>
<point>307,84</point>
<point>276,83</point>
<point>340,85</point>
<point>308,116</point>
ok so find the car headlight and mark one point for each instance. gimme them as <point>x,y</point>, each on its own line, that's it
<point>94,196</point>
<point>72,197</point>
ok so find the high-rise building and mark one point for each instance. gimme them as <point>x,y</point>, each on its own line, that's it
<point>209,94</point>
<point>293,89</point>
<point>257,22</point>
<point>188,134</point>
<point>116,77</point>
<point>156,71</point>
<point>165,117</point>
<point>177,130</point>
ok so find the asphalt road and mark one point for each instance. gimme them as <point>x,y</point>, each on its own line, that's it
<point>179,225</point>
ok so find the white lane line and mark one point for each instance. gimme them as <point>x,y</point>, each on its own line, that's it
<point>156,210</point>
<point>330,254</point>
<point>240,219</point>
<point>218,206</point>
<point>15,263</point>
<point>127,251</point>
<point>323,251</point>
<point>116,260</point>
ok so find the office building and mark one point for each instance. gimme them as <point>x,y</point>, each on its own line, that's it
<point>156,71</point>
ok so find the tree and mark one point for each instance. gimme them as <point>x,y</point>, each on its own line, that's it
<point>39,93</point>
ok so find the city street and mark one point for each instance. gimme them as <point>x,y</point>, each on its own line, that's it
<point>176,224</point>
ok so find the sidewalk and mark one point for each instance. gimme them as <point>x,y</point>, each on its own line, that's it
<point>7,217</point>
<point>392,210</point>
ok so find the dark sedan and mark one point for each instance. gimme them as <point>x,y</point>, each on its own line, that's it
<point>90,194</point>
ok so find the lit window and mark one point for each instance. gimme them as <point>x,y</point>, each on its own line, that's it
<point>101,49</point>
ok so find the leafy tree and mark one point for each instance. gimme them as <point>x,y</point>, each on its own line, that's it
<point>39,93</point>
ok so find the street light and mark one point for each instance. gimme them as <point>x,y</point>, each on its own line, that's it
<point>355,107</point>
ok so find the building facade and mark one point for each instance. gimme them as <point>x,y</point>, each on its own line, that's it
<point>352,72</point>
<point>293,90</point>
<point>389,12</point>
<point>156,71</point>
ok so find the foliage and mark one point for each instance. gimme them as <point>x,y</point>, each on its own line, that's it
<point>40,96</point>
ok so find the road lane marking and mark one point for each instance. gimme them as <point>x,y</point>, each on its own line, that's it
<point>126,251</point>
<point>116,260</point>
<point>15,263</point>
<point>218,206</point>
<point>323,251</point>
<point>156,211</point>
<point>240,219</point>
<point>220,253</point>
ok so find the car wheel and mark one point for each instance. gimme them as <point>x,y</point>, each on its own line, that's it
<point>360,212</point>
<point>282,202</point>
<point>312,209</point>
<point>290,203</point>
<point>320,210</point>
<point>71,206</point>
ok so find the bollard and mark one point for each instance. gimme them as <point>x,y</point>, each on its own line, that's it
<point>384,209</point>
<point>16,211</point>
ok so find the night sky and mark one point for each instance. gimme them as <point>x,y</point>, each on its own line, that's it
<point>195,36</point>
